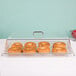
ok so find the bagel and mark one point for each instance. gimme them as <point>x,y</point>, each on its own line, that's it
<point>59,44</point>
<point>30,44</point>
<point>43,50</point>
<point>17,44</point>
<point>44,44</point>
<point>29,50</point>
<point>59,50</point>
<point>14,50</point>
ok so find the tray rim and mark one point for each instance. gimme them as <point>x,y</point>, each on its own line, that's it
<point>41,39</point>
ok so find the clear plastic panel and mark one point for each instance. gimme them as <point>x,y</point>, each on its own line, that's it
<point>39,35</point>
<point>35,34</point>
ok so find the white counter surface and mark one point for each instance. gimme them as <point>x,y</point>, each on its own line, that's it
<point>39,66</point>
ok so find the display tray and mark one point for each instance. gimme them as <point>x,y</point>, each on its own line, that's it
<point>9,42</point>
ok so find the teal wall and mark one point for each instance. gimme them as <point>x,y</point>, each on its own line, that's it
<point>54,17</point>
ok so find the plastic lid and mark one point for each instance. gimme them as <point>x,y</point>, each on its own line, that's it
<point>38,35</point>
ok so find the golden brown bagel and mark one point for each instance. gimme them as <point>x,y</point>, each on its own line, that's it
<point>44,44</point>
<point>29,50</point>
<point>17,44</point>
<point>59,50</point>
<point>30,44</point>
<point>59,44</point>
<point>43,50</point>
<point>14,50</point>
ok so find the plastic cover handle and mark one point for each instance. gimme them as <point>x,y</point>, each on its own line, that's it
<point>38,32</point>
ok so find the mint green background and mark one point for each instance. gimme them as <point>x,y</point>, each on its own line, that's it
<point>54,17</point>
